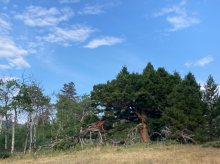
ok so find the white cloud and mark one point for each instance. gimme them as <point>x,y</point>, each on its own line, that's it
<point>5,1</point>
<point>69,1</point>
<point>63,36</point>
<point>5,24</point>
<point>201,83</point>
<point>175,8</point>
<point>202,62</point>
<point>108,41</point>
<point>4,8</point>
<point>19,62</point>
<point>13,54</point>
<point>9,66</point>
<point>189,63</point>
<point>32,47</point>
<point>15,6</point>
<point>5,79</point>
<point>39,16</point>
<point>180,20</point>
<point>96,9</point>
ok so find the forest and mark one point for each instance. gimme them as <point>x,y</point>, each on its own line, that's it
<point>150,106</point>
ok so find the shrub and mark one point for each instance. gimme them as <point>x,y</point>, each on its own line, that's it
<point>212,144</point>
<point>4,155</point>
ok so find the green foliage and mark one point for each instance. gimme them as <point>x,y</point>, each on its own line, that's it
<point>67,112</point>
<point>64,145</point>
<point>200,134</point>
<point>4,155</point>
<point>212,112</point>
<point>186,108</point>
<point>89,119</point>
<point>212,144</point>
<point>131,95</point>
<point>121,134</point>
<point>69,91</point>
<point>20,135</point>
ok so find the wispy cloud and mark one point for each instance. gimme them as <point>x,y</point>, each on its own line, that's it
<point>175,8</point>
<point>5,24</point>
<point>202,62</point>
<point>33,47</point>
<point>13,54</point>
<point>93,10</point>
<point>39,16</point>
<point>68,1</point>
<point>5,1</point>
<point>105,41</point>
<point>77,34</point>
<point>15,6</point>
<point>181,20</point>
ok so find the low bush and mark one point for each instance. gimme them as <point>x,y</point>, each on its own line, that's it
<point>4,155</point>
<point>212,144</point>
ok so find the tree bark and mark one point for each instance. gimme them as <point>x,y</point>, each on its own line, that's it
<point>13,134</point>
<point>1,118</point>
<point>28,128</point>
<point>31,129</point>
<point>143,130</point>
<point>6,132</point>
<point>35,135</point>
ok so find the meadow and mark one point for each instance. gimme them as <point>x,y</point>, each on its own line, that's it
<point>137,154</point>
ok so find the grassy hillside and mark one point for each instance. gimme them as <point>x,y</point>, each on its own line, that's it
<point>139,154</point>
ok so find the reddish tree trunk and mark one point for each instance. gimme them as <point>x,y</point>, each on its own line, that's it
<point>143,130</point>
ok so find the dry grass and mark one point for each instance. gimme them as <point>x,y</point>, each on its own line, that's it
<point>174,154</point>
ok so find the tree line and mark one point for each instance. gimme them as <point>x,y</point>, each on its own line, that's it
<point>155,99</point>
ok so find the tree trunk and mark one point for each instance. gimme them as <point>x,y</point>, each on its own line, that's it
<point>35,134</point>
<point>31,130</point>
<point>143,130</point>
<point>13,134</point>
<point>28,128</point>
<point>6,132</point>
<point>1,118</point>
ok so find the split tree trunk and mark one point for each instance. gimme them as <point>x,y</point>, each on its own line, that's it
<point>143,130</point>
<point>13,134</point>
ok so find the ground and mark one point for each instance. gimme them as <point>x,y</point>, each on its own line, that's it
<point>138,154</point>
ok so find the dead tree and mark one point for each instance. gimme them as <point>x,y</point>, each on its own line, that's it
<point>184,135</point>
<point>95,127</point>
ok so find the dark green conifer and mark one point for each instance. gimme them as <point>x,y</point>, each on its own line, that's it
<point>186,109</point>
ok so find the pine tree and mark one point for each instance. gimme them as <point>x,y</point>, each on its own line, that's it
<point>210,97</point>
<point>69,91</point>
<point>186,109</point>
<point>135,97</point>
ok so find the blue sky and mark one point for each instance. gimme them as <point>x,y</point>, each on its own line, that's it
<point>88,42</point>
